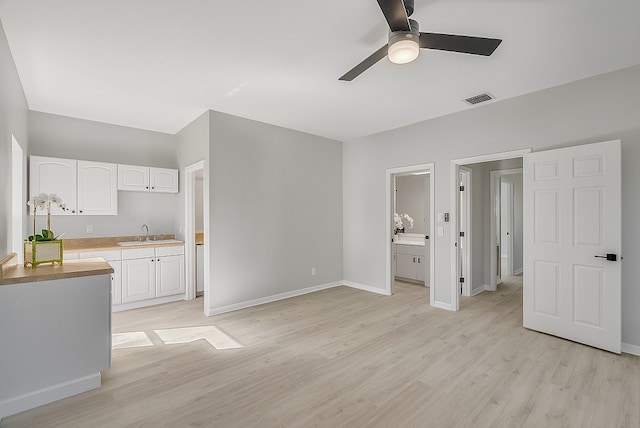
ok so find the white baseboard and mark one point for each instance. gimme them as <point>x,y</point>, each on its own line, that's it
<point>366,288</point>
<point>144,303</point>
<point>36,398</point>
<point>262,300</point>
<point>441,305</point>
<point>476,291</point>
<point>518,272</point>
<point>628,348</point>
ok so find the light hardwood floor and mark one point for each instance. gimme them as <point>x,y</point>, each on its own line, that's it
<point>348,358</point>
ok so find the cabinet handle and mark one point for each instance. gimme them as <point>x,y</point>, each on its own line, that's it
<point>414,259</point>
<point>418,259</point>
<point>147,187</point>
<point>73,211</point>
<point>80,211</point>
<point>153,187</point>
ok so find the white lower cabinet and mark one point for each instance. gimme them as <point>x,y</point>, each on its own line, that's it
<point>169,275</point>
<point>411,262</point>
<point>114,258</point>
<point>138,279</point>
<point>148,273</point>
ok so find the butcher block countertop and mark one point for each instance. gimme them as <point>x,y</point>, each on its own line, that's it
<point>79,245</point>
<point>13,273</point>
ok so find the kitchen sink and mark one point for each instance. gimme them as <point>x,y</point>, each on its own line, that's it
<point>160,241</point>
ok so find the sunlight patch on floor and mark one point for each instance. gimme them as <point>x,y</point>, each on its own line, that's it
<point>134,339</point>
<point>217,338</point>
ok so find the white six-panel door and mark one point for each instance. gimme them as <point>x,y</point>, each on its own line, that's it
<point>572,215</point>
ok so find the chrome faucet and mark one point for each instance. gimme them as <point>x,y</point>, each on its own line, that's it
<point>147,234</point>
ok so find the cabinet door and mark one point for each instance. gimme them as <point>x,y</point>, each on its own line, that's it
<point>199,268</point>
<point>133,177</point>
<point>405,266</point>
<point>116,282</point>
<point>53,175</point>
<point>421,267</point>
<point>97,188</point>
<point>163,180</point>
<point>138,279</point>
<point>170,275</point>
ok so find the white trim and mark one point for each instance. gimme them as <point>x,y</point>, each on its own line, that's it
<point>628,348</point>
<point>42,396</point>
<point>455,163</point>
<point>268,299</point>
<point>476,291</point>
<point>468,284</point>
<point>189,228</point>
<point>491,157</point>
<point>518,272</point>
<point>390,196</point>
<point>144,303</point>
<point>494,200</point>
<point>368,288</point>
<point>441,305</point>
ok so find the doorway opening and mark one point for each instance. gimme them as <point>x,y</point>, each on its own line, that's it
<point>17,202</point>
<point>410,220</point>
<point>477,207</point>
<point>196,233</point>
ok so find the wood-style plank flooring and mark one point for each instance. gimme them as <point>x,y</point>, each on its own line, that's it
<point>347,358</point>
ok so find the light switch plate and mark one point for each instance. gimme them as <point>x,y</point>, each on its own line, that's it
<point>89,228</point>
<point>441,231</point>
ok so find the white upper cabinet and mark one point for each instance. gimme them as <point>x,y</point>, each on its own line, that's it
<point>53,175</point>
<point>87,188</point>
<point>133,177</point>
<point>97,188</point>
<point>163,180</point>
<point>147,179</point>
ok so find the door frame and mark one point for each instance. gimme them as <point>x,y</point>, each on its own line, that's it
<point>190,229</point>
<point>390,205</point>
<point>466,289</point>
<point>495,219</point>
<point>454,190</point>
<point>509,216</point>
<point>16,220</point>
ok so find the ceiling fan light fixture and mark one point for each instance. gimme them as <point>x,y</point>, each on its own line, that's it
<point>404,51</point>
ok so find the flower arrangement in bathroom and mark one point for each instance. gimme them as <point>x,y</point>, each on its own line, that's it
<point>43,247</point>
<point>399,224</point>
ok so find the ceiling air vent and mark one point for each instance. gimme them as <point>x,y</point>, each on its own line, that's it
<point>479,98</point>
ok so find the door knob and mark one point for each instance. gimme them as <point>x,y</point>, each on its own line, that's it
<point>610,257</point>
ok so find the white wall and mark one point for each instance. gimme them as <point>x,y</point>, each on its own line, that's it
<point>591,110</point>
<point>275,210</point>
<point>67,137</point>
<point>13,121</point>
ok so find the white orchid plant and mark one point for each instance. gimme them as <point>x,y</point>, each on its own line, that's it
<point>399,225</point>
<point>43,201</point>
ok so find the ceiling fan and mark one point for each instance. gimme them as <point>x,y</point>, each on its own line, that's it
<point>405,39</point>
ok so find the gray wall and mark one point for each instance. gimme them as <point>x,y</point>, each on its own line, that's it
<point>275,210</point>
<point>13,121</point>
<point>192,145</point>
<point>412,198</point>
<point>70,138</point>
<point>597,109</point>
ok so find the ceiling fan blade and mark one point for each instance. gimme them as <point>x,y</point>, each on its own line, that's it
<point>364,65</point>
<point>395,14</point>
<point>455,43</point>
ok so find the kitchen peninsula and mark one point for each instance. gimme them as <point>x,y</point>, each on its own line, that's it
<point>55,331</point>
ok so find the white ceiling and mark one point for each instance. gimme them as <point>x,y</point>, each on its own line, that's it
<point>158,64</point>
